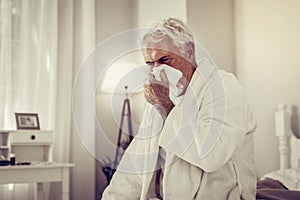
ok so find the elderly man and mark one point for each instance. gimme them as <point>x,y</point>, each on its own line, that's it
<point>196,141</point>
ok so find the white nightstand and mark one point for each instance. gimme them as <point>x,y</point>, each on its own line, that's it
<point>35,147</point>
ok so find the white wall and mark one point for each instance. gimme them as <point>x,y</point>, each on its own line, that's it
<point>148,12</point>
<point>212,24</point>
<point>268,64</point>
<point>114,16</point>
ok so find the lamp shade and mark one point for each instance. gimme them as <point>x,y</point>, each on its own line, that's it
<point>128,70</point>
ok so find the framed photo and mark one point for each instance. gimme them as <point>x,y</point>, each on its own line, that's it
<point>27,121</point>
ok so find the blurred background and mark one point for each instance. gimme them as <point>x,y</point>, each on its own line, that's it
<point>44,43</point>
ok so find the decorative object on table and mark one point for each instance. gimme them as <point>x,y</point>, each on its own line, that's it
<point>123,142</point>
<point>29,121</point>
<point>12,159</point>
<point>3,161</point>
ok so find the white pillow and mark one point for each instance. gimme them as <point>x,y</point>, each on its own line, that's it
<point>290,178</point>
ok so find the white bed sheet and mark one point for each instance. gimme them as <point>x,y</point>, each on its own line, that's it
<point>290,178</point>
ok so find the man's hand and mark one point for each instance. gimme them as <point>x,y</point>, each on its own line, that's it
<point>157,93</point>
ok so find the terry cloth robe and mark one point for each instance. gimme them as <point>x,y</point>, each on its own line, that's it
<point>208,144</point>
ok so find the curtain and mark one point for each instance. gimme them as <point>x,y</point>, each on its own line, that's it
<point>36,62</point>
<point>83,174</point>
<point>28,60</point>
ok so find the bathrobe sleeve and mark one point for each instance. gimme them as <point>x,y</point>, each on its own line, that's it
<point>124,185</point>
<point>208,135</point>
<point>134,174</point>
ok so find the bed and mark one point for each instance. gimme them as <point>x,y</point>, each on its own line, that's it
<point>283,184</point>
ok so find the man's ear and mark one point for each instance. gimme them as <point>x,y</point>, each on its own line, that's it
<point>190,49</point>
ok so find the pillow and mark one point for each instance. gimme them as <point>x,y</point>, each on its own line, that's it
<point>290,178</point>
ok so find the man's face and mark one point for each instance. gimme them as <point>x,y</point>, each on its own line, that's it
<point>165,52</point>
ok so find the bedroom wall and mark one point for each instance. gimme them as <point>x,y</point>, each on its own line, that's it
<point>212,24</point>
<point>148,12</point>
<point>268,64</point>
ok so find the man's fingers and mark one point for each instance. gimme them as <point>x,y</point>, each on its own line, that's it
<point>148,90</point>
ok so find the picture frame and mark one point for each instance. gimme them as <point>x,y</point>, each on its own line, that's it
<point>27,121</point>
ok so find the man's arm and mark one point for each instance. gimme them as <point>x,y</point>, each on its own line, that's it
<point>187,142</point>
<point>134,170</point>
<point>123,186</point>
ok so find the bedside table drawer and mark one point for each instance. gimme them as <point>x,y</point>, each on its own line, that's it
<point>31,137</point>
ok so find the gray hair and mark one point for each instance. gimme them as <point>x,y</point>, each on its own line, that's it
<point>173,28</point>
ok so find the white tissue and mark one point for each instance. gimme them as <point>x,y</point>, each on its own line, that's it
<point>173,76</point>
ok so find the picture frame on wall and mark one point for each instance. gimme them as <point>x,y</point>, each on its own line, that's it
<point>27,121</point>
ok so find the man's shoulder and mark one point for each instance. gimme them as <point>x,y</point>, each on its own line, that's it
<point>226,75</point>
<point>229,80</point>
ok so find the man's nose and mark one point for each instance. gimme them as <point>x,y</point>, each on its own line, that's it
<point>156,64</point>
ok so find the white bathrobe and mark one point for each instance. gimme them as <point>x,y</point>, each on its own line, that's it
<point>208,144</point>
